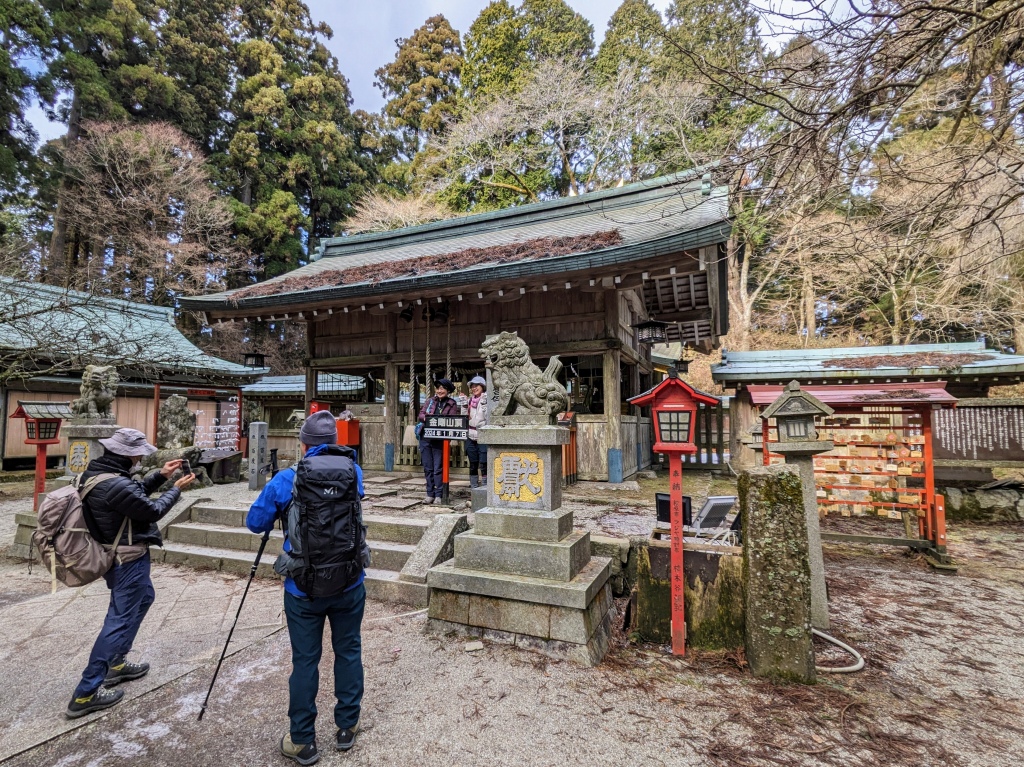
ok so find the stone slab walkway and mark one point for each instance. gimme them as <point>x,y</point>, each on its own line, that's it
<point>48,637</point>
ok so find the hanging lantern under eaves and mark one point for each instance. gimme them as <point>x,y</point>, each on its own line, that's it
<point>651,332</point>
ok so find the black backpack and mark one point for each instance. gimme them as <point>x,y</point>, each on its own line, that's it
<point>325,525</point>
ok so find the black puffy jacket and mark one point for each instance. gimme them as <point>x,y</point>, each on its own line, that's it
<point>112,500</point>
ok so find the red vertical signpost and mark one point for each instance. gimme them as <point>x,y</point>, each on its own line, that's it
<point>674,403</point>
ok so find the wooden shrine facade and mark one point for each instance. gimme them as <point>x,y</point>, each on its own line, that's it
<point>391,308</point>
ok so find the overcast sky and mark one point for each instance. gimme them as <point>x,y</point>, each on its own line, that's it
<point>365,32</point>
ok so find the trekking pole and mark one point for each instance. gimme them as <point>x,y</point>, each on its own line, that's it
<point>252,574</point>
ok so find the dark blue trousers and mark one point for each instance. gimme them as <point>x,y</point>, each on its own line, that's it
<point>131,594</point>
<point>306,630</point>
<point>477,455</point>
<point>432,455</point>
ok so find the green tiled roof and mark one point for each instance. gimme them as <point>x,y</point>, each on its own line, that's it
<point>653,218</point>
<point>785,365</point>
<point>52,323</point>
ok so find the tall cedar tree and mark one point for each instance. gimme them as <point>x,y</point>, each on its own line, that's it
<point>292,162</point>
<point>634,39</point>
<point>99,66</point>
<point>422,83</point>
<point>23,33</point>
<point>504,43</point>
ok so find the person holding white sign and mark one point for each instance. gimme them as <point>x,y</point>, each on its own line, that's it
<point>432,450</point>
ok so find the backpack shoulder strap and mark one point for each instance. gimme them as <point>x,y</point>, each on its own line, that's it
<point>90,484</point>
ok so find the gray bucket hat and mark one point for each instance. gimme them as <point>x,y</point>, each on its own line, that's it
<point>128,442</point>
<point>478,380</point>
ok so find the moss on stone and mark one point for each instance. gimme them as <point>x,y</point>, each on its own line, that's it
<point>776,571</point>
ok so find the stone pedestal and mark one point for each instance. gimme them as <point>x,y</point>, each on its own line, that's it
<point>775,564</point>
<point>84,437</point>
<point>523,576</point>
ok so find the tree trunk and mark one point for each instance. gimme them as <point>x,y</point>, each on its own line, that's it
<point>740,308</point>
<point>810,319</point>
<point>57,270</point>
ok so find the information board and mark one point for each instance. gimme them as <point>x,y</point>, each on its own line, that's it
<point>450,427</point>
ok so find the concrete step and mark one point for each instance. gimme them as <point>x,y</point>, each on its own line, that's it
<point>378,527</point>
<point>216,514</point>
<point>384,586</point>
<point>387,555</point>
<point>380,584</point>
<point>210,558</point>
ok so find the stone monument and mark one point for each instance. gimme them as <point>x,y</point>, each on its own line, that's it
<point>794,413</point>
<point>176,424</point>
<point>777,625</point>
<point>94,419</point>
<point>523,576</point>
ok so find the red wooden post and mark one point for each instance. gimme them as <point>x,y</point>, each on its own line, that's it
<point>40,486</point>
<point>675,463</point>
<point>445,463</point>
<point>929,528</point>
<point>765,455</point>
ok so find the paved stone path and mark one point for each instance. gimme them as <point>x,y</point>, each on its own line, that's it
<point>47,639</point>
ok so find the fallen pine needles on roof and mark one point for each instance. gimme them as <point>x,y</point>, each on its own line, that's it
<point>528,250</point>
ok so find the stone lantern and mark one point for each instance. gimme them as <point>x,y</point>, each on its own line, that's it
<point>794,413</point>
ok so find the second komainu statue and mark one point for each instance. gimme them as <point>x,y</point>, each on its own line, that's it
<point>522,388</point>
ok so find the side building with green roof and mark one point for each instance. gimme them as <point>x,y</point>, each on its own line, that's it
<point>48,335</point>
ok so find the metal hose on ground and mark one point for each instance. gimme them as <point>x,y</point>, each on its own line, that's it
<point>841,645</point>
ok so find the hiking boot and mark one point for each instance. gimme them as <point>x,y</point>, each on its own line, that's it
<point>428,500</point>
<point>120,670</point>
<point>98,701</point>
<point>473,481</point>
<point>347,737</point>
<point>303,754</point>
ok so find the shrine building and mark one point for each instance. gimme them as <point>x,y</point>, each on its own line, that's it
<point>573,277</point>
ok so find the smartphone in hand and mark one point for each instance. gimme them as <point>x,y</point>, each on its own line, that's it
<point>186,468</point>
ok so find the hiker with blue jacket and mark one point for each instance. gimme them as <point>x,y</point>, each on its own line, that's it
<point>318,502</point>
<point>118,511</point>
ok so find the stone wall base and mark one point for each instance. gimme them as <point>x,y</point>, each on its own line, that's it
<point>972,504</point>
<point>589,653</point>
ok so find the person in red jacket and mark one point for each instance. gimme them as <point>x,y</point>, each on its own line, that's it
<point>432,450</point>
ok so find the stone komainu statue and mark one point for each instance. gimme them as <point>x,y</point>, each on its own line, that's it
<point>520,385</point>
<point>99,387</point>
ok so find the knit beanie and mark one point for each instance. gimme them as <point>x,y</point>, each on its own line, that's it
<point>319,429</point>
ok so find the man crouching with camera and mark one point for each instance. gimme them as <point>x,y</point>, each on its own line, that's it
<point>319,502</point>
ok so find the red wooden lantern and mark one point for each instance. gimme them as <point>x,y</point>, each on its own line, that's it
<point>42,428</point>
<point>674,403</point>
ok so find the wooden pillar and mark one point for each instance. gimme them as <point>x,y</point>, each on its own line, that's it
<point>310,370</point>
<point>392,421</point>
<point>612,388</point>
<point>613,414</point>
<point>742,420</point>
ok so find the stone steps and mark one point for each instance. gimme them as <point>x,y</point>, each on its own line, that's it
<point>214,537</point>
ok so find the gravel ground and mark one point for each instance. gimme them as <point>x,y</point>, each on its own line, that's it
<point>942,686</point>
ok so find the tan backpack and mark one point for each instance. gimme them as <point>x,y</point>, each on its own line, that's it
<point>66,547</point>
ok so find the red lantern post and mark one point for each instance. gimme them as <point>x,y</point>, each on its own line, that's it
<point>42,429</point>
<point>675,403</point>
